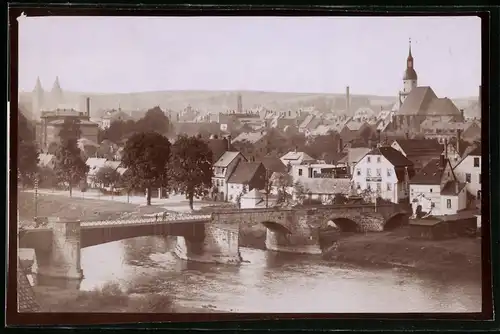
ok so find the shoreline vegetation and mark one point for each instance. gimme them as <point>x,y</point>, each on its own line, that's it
<point>459,257</point>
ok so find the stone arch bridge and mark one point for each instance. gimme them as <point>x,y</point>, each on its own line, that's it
<point>212,238</point>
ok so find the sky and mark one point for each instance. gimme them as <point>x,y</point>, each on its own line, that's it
<point>279,54</point>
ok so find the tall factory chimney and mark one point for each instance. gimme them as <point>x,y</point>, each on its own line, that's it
<point>87,106</point>
<point>239,107</point>
<point>347,100</point>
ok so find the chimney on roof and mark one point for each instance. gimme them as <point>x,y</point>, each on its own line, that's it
<point>462,114</point>
<point>347,100</point>
<point>407,135</point>
<point>228,143</point>
<point>446,148</point>
<point>459,135</point>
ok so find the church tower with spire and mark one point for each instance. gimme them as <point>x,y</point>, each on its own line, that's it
<point>409,77</point>
<point>37,99</point>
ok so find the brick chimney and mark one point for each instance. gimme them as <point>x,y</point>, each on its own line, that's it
<point>347,100</point>
<point>87,106</point>
<point>459,135</point>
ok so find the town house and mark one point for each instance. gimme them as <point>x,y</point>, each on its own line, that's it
<point>223,169</point>
<point>436,191</point>
<point>468,170</point>
<point>296,158</point>
<point>419,151</point>
<point>246,176</point>
<point>384,172</point>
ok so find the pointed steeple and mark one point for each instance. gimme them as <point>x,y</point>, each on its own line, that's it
<point>57,86</point>
<point>410,73</point>
<point>38,86</point>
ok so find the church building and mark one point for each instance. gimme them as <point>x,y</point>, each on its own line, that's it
<point>420,103</point>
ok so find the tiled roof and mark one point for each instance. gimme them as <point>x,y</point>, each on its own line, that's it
<point>354,125</point>
<point>443,125</point>
<point>452,188</point>
<point>292,155</point>
<point>417,101</point>
<point>355,154</point>
<point>249,137</point>
<point>244,172</point>
<point>273,164</point>
<point>26,300</point>
<point>226,159</point>
<point>306,121</point>
<point>395,157</point>
<point>476,151</point>
<point>442,106</point>
<point>218,147</point>
<point>430,174</point>
<point>420,146</point>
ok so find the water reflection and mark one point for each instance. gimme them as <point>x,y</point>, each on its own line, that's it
<point>270,281</point>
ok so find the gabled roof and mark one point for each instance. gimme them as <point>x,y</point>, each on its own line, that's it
<point>431,173</point>
<point>249,137</point>
<point>226,159</point>
<point>306,121</point>
<point>244,173</point>
<point>355,154</point>
<point>293,155</point>
<point>420,146</point>
<point>476,151</point>
<point>452,188</point>
<point>417,101</point>
<point>273,164</point>
<point>442,106</point>
<point>395,157</point>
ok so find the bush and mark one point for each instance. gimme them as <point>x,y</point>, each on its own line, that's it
<point>152,303</point>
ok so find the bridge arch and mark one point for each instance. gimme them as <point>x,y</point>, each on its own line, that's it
<point>344,224</point>
<point>276,227</point>
<point>395,220</point>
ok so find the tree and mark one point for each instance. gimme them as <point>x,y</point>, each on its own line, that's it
<point>47,177</point>
<point>155,120</point>
<point>107,176</point>
<point>27,163</point>
<point>70,129</point>
<point>69,165</point>
<point>283,182</point>
<point>300,192</point>
<point>146,156</point>
<point>192,167</point>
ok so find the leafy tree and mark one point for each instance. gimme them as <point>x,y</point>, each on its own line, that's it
<point>69,165</point>
<point>52,148</point>
<point>300,192</point>
<point>155,120</point>
<point>107,176</point>
<point>27,163</point>
<point>192,167</point>
<point>70,129</point>
<point>320,145</point>
<point>146,156</point>
<point>47,177</point>
<point>283,182</point>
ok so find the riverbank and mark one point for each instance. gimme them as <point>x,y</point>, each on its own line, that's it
<point>461,256</point>
<point>109,299</point>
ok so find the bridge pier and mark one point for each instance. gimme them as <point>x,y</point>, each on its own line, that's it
<point>220,244</point>
<point>301,241</point>
<point>62,259</point>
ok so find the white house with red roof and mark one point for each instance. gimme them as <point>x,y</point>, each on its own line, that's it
<point>384,172</point>
<point>436,191</point>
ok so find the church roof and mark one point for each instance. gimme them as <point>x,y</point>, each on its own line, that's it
<point>442,106</point>
<point>418,101</point>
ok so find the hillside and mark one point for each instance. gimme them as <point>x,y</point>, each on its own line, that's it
<point>215,100</point>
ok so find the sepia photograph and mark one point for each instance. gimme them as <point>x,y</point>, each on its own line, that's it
<point>248,164</point>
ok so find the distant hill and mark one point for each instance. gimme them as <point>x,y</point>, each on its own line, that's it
<point>214,101</point>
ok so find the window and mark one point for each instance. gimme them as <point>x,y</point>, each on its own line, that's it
<point>369,159</point>
<point>358,186</point>
<point>379,159</point>
<point>389,186</point>
<point>479,178</point>
<point>379,172</point>
<point>431,190</point>
<point>448,203</point>
<point>368,172</point>
<point>300,172</point>
<point>379,187</point>
<point>476,162</point>
<point>358,171</point>
<point>222,183</point>
<point>479,194</point>
<point>369,187</point>
<point>467,177</point>
<point>389,172</point>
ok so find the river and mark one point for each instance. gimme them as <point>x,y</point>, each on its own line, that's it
<point>272,282</point>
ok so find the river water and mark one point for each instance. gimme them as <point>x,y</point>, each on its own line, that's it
<point>272,282</point>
